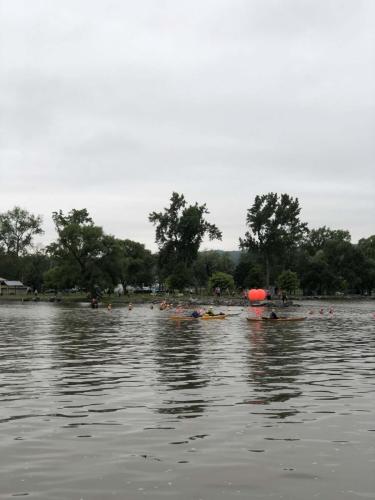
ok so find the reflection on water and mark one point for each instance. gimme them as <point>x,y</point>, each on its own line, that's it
<point>128,404</point>
<point>274,364</point>
<point>177,351</point>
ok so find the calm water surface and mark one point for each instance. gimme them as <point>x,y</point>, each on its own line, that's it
<point>130,405</point>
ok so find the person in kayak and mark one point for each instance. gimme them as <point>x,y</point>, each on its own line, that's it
<point>273,315</point>
<point>196,314</point>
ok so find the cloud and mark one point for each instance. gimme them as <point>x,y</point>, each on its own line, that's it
<point>113,105</point>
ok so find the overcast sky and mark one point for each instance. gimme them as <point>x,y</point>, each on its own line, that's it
<point>113,104</point>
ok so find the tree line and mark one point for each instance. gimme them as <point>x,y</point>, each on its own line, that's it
<point>278,249</point>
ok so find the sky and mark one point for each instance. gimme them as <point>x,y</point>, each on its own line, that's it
<point>112,105</point>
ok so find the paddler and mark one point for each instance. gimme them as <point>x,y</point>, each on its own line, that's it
<point>210,311</point>
<point>273,314</point>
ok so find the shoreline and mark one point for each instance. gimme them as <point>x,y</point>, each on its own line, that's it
<point>190,300</point>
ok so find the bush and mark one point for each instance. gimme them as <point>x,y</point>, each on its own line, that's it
<point>222,280</point>
<point>288,280</point>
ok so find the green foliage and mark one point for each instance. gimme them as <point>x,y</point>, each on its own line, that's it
<point>135,264</point>
<point>209,262</point>
<point>180,230</point>
<point>57,278</point>
<point>224,281</point>
<point>275,228</point>
<point>179,278</point>
<point>317,239</point>
<point>17,229</point>
<point>33,268</point>
<point>316,275</point>
<point>83,254</point>
<point>10,266</point>
<point>324,259</point>
<point>249,272</point>
<point>367,246</point>
<point>288,280</point>
<point>328,262</point>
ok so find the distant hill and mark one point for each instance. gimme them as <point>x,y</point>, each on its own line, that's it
<point>234,255</point>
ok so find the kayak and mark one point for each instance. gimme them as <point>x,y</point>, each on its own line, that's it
<point>213,316</point>
<point>182,318</point>
<point>301,318</point>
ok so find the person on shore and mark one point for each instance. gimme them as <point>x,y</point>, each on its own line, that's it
<point>284,297</point>
<point>273,314</point>
<point>109,307</point>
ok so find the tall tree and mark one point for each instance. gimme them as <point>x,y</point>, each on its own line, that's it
<point>83,254</point>
<point>180,230</point>
<point>275,228</point>
<point>17,229</point>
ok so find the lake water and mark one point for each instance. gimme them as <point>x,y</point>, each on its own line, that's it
<point>130,405</point>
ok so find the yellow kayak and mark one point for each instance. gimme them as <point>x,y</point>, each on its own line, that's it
<point>181,318</point>
<point>213,316</point>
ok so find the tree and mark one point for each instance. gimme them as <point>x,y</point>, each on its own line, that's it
<point>367,246</point>
<point>316,275</point>
<point>83,254</point>
<point>288,280</point>
<point>248,273</point>
<point>17,229</point>
<point>222,280</point>
<point>317,239</point>
<point>275,228</point>
<point>135,264</point>
<point>180,230</point>
<point>207,263</point>
<point>33,267</point>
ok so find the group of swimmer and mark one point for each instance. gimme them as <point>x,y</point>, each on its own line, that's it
<point>196,313</point>
<point>273,314</point>
<point>321,311</point>
<point>95,305</point>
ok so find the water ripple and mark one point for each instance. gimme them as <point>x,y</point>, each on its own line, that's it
<point>128,404</point>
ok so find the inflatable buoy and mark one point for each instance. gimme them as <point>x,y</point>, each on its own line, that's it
<point>256,294</point>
